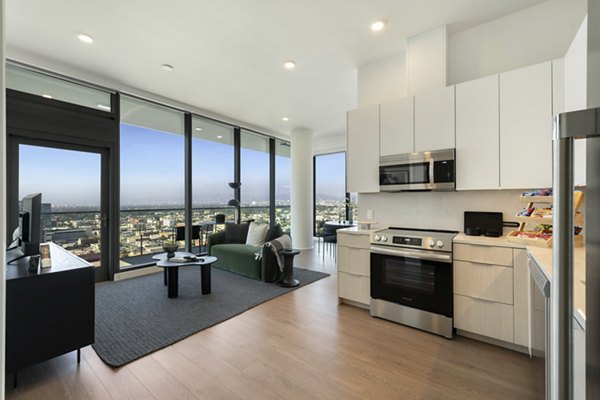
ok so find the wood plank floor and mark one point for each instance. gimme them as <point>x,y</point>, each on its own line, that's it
<point>302,345</point>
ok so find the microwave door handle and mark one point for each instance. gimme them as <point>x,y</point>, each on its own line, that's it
<point>431,164</point>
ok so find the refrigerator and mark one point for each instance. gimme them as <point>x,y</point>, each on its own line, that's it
<point>568,128</point>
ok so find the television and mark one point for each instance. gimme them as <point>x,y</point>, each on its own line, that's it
<point>30,224</point>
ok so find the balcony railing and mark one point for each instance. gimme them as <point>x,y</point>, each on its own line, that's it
<point>142,230</point>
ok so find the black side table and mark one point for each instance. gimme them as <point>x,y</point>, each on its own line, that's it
<point>288,268</point>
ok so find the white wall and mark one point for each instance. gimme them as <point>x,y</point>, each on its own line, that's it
<point>2,200</point>
<point>382,80</point>
<point>436,210</point>
<point>329,144</point>
<point>576,77</point>
<point>427,61</point>
<point>593,56</point>
<point>536,34</point>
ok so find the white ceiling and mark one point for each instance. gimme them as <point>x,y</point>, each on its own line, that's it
<point>228,55</point>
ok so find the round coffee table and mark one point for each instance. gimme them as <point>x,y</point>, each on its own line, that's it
<point>172,271</point>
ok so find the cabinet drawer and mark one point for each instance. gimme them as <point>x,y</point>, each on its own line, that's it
<point>484,254</point>
<point>354,261</point>
<point>352,240</point>
<point>486,318</point>
<point>354,287</point>
<point>484,281</point>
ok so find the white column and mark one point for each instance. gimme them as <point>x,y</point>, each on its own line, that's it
<point>301,192</point>
<point>2,198</point>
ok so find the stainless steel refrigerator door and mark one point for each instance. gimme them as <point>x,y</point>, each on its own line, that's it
<point>567,128</point>
<point>592,271</point>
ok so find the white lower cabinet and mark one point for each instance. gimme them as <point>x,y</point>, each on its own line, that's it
<point>484,317</point>
<point>354,287</point>
<point>354,268</point>
<point>491,292</point>
<point>578,361</point>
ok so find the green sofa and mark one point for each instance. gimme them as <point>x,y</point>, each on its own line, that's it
<point>234,255</point>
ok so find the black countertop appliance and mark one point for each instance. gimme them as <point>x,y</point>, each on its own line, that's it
<point>483,223</point>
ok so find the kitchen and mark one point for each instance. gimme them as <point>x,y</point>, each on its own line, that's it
<point>501,129</point>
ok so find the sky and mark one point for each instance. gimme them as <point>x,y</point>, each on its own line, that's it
<point>152,172</point>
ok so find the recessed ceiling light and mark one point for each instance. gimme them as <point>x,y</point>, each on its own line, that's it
<point>103,107</point>
<point>285,119</point>
<point>377,26</point>
<point>47,96</point>
<point>198,129</point>
<point>219,137</point>
<point>289,65</point>
<point>85,38</point>
<point>167,67</point>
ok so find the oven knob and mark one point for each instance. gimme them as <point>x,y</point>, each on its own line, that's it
<point>440,244</point>
<point>431,243</point>
<point>384,238</point>
<point>377,238</point>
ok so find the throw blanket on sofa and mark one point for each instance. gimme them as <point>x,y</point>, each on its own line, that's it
<point>282,242</point>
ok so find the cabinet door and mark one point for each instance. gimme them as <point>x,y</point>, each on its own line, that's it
<point>526,127</point>
<point>521,283</point>
<point>362,153</point>
<point>354,287</point>
<point>484,281</point>
<point>397,134</point>
<point>354,261</point>
<point>477,135</point>
<point>579,367</point>
<point>486,318</point>
<point>560,105</point>
<point>434,120</point>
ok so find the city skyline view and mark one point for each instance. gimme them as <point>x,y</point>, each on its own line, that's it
<point>151,179</point>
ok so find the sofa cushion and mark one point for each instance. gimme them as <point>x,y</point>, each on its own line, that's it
<point>236,233</point>
<point>256,234</point>
<point>274,232</point>
<point>239,258</point>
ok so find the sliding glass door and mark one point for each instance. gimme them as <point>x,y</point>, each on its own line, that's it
<point>72,182</point>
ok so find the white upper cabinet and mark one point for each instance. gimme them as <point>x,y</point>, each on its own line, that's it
<point>397,135</point>
<point>477,135</point>
<point>434,120</point>
<point>526,127</point>
<point>362,151</point>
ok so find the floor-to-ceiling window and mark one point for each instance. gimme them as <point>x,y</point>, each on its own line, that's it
<point>330,188</point>
<point>152,179</point>
<point>255,177</point>
<point>146,154</point>
<point>282,184</point>
<point>212,171</point>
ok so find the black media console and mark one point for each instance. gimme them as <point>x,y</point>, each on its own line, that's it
<point>49,312</point>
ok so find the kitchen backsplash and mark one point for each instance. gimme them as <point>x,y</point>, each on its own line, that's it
<point>436,210</point>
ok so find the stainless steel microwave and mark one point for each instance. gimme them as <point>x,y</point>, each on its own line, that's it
<point>429,170</point>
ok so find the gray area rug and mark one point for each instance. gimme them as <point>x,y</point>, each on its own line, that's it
<point>134,317</point>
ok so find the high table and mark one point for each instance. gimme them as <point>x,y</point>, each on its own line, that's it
<point>172,270</point>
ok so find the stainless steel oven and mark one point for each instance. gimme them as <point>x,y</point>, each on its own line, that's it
<point>429,170</point>
<point>411,278</point>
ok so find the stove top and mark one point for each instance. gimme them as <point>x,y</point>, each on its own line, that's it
<point>424,239</point>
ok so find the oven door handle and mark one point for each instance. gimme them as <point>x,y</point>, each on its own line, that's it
<point>420,255</point>
<point>431,173</point>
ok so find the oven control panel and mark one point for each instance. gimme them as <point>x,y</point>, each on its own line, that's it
<point>418,239</point>
<point>410,241</point>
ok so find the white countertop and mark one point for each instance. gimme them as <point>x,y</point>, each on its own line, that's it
<point>501,241</point>
<point>543,258</point>
<point>355,231</point>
